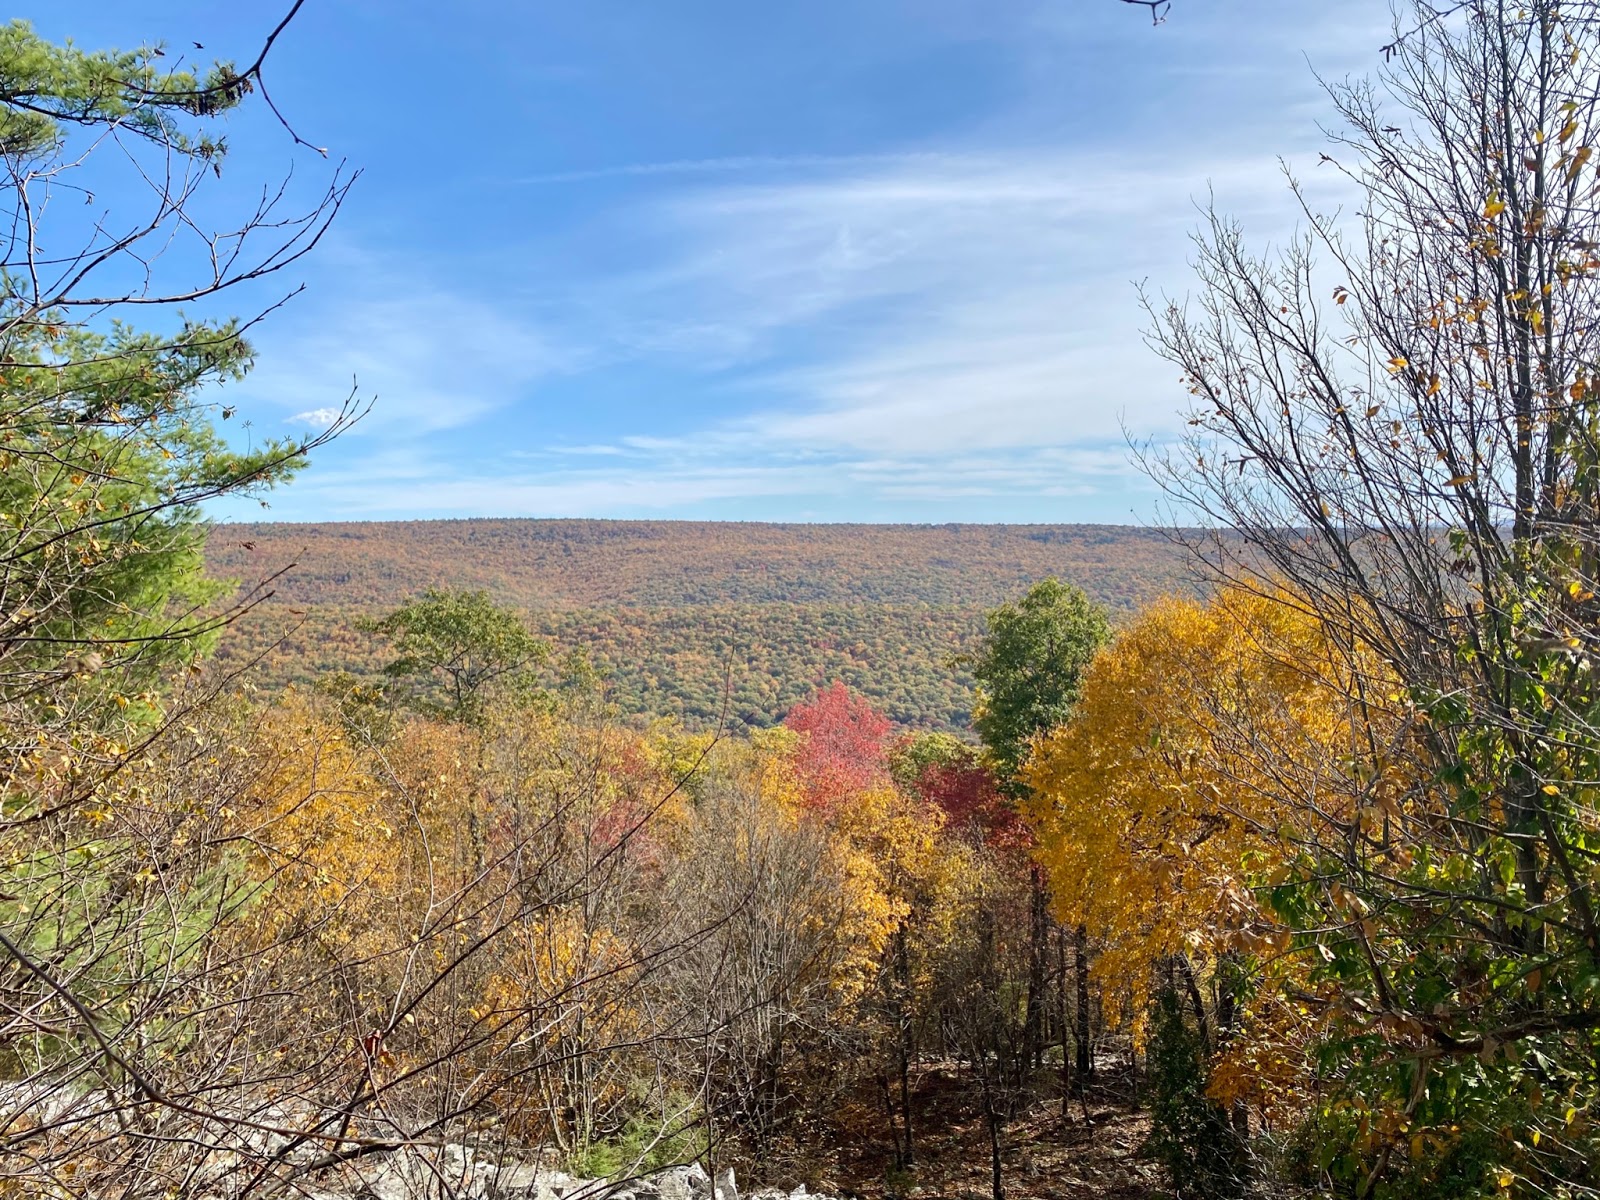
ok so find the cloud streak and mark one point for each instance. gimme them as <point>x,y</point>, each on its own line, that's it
<point>928,331</point>
<point>736,164</point>
<point>433,358</point>
<point>932,308</point>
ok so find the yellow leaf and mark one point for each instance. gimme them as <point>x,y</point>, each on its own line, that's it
<point>1578,159</point>
<point>1398,364</point>
<point>1550,789</point>
<point>1567,130</point>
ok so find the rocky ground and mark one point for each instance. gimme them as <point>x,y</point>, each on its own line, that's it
<point>1087,1149</point>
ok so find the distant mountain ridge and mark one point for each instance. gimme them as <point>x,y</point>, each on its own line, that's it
<point>689,619</point>
<point>535,563</point>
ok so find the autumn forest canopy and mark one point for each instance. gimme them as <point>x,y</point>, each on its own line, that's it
<point>707,622</point>
<point>1257,856</point>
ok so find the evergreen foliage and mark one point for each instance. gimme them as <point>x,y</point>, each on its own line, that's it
<point>1190,1134</point>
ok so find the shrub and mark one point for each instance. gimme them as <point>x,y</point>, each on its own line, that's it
<point>1190,1133</point>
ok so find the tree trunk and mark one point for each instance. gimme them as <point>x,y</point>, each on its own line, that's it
<point>1227,980</point>
<point>1085,1048</point>
<point>1191,987</point>
<point>894,1124</point>
<point>992,1115</point>
<point>1038,935</point>
<point>902,969</point>
<point>1061,1019</point>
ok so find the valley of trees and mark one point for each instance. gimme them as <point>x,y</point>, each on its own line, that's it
<point>709,623</point>
<point>1276,878</point>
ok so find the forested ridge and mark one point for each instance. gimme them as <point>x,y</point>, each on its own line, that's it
<point>704,621</point>
<point>1023,866</point>
<point>536,564</point>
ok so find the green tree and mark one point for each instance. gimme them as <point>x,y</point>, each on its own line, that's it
<point>1028,668</point>
<point>108,440</point>
<point>110,873</point>
<point>456,646</point>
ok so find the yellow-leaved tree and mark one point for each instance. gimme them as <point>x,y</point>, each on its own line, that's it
<point>1162,832</point>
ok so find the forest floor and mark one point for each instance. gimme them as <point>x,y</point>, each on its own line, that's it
<point>1091,1150</point>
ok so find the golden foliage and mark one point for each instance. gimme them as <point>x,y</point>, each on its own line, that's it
<point>1154,815</point>
<point>315,819</point>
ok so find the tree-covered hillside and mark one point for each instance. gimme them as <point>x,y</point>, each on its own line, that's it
<point>598,564</point>
<point>693,619</point>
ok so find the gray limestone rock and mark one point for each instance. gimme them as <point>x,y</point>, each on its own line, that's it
<point>683,1183</point>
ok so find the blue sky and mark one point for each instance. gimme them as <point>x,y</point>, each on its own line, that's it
<point>841,260</point>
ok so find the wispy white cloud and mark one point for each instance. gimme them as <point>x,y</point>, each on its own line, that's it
<point>905,328</point>
<point>432,358</point>
<point>735,164</point>
<point>937,307</point>
<point>591,451</point>
<point>899,331</point>
<point>317,418</point>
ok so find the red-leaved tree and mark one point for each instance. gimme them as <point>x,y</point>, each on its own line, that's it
<point>968,794</point>
<point>843,751</point>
